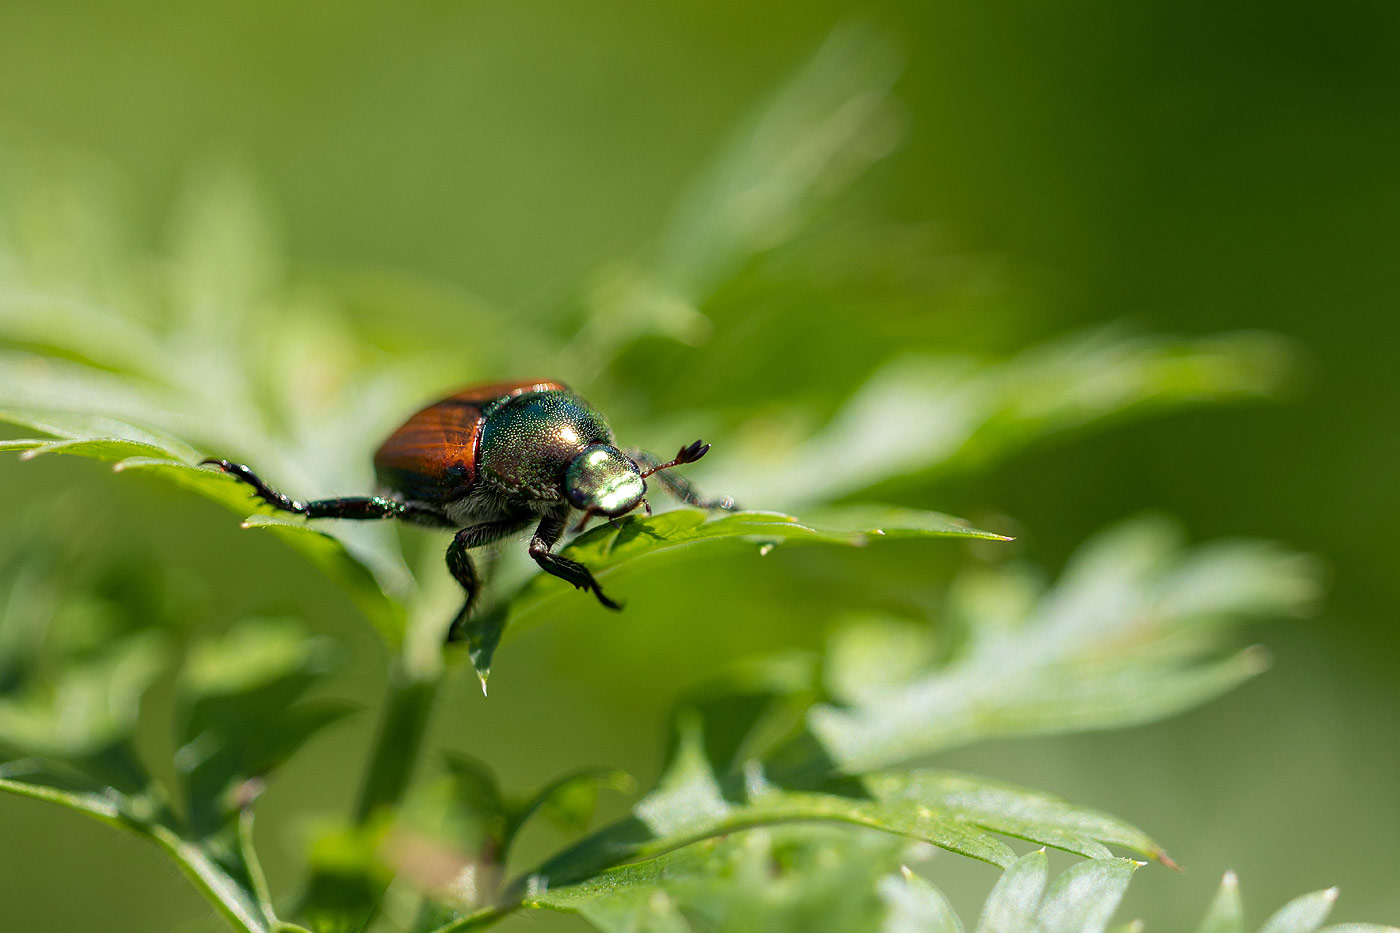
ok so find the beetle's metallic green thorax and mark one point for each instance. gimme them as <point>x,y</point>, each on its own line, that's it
<point>528,441</point>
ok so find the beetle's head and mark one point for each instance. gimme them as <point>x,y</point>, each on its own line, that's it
<point>602,480</point>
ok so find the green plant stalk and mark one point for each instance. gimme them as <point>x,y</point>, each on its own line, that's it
<point>479,919</point>
<point>256,876</point>
<point>398,744</point>
<point>211,880</point>
<point>415,673</point>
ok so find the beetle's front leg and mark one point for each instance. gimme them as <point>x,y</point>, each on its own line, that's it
<point>550,530</point>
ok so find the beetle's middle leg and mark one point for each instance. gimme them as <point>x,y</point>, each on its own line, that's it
<point>459,562</point>
<point>550,530</point>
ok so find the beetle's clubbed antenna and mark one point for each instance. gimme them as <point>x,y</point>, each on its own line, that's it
<point>687,454</point>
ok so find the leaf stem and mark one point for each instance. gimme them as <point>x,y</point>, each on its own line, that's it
<point>479,919</point>
<point>407,708</point>
<point>212,881</point>
<point>256,877</point>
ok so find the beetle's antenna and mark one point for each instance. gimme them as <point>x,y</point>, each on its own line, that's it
<point>687,454</point>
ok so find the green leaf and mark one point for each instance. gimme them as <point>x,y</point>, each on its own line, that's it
<point>477,793</point>
<point>1010,811</point>
<point>915,906</point>
<point>568,802</point>
<point>86,715</point>
<point>1226,913</point>
<point>921,415</point>
<point>45,781</point>
<point>1129,635</point>
<point>239,699</point>
<point>354,559</point>
<point>1132,630</point>
<point>156,391</point>
<point>1129,632</point>
<point>453,836</point>
<point>1011,906</point>
<point>608,548</point>
<point>955,812</point>
<point>346,879</point>
<point>797,878</point>
<point>1304,914</point>
<point>86,434</point>
<point>1083,899</point>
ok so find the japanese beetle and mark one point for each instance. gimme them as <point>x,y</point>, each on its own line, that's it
<point>492,459</point>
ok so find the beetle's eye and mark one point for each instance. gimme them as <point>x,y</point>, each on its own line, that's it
<point>578,498</point>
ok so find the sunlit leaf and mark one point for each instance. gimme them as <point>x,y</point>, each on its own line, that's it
<point>790,878</point>
<point>608,548</point>
<point>1010,811</point>
<point>1302,915</point>
<point>72,428</point>
<point>1011,906</point>
<point>1083,899</point>
<point>220,369</point>
<point>915,906</point>
<point>353,558</point>
<point>956,812</point>
<point>1226,913</point>
<point>1130,633</point>
<point>921,415</point>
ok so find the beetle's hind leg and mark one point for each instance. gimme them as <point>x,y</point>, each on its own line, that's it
<point>550,530</point>
<point>353,507</point>
<point>678,485</point>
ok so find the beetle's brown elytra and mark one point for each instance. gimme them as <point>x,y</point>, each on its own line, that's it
<point>433,455</point>
<point>492,459</point>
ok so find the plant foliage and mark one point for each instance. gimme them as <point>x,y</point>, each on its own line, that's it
<point>797,788</point>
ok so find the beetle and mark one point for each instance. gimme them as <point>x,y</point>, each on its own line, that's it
<point>490,460</point>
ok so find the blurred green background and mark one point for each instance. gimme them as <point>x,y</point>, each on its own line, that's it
<point>1181,167</point>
